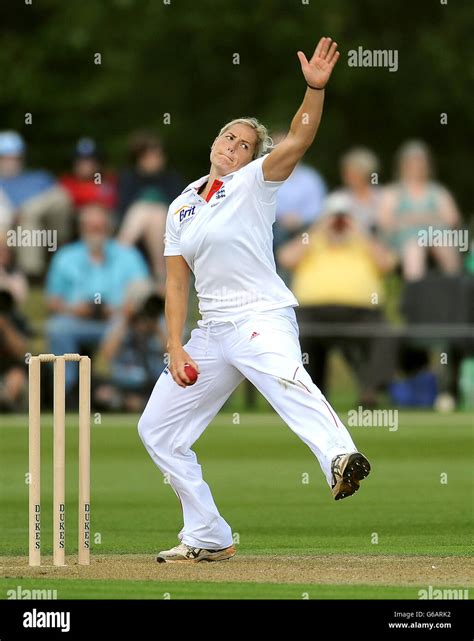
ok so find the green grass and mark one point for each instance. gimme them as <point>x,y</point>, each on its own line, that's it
<point>84,589</point>
<point>255,470</point>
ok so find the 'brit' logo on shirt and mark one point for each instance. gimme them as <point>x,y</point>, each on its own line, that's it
<point>186,212</point>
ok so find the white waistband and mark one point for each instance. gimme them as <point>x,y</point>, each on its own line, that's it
<point>215,321</point>
<point>236,321</point>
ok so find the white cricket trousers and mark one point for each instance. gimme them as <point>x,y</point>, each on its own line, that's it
<point>264,348</point>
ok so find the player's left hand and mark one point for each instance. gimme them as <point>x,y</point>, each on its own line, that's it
<point>318,70</point>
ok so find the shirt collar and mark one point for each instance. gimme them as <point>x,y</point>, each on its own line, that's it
<point>201,181</point>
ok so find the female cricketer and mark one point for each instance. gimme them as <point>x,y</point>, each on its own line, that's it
<point>220,228</point>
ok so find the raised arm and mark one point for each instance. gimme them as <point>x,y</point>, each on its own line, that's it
<point>279,163</point>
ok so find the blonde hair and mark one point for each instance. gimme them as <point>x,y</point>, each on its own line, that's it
<point>264,142</point>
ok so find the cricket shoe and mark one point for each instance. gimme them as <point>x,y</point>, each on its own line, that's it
<point>183,553</point>
<point>347,472</point>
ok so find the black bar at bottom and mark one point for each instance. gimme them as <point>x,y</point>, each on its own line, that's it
<point>235,620</point>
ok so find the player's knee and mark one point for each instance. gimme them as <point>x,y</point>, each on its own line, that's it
<point>144,428</point>
<point>151,432</point>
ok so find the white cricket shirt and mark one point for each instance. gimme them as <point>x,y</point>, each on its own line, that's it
<point>227,241</point>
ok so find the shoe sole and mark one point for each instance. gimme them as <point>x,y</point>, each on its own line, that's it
<point>222,555</point>
<point>357,468</point>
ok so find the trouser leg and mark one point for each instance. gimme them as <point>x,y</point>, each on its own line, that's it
<point>147,222</point>
<point>272,362</point>
<point>67,334</point>
<point>173,420</point>
<point>51,212</point>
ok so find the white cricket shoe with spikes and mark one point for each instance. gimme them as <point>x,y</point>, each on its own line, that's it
<point>347,472</point>
<point>184,553</point>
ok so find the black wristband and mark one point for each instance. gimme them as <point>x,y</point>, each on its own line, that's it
<point>316,88</point>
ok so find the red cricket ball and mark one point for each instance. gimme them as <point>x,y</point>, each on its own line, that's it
<point>191,373</point>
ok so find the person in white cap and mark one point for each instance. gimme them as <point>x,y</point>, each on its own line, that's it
<point>220,228</point>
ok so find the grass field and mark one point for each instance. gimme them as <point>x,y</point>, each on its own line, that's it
<point>408,528</point>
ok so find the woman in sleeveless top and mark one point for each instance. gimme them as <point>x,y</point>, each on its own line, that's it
<point>413,205</point>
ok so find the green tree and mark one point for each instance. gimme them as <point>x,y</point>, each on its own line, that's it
<point>179,59</point>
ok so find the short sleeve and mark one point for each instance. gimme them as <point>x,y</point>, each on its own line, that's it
<point>172,245</point>
<point>253,173</point>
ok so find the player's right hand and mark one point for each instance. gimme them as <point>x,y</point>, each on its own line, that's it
<point>178,358</point>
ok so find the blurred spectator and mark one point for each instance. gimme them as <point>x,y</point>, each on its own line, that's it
<point>11,279</point>
<point>412,205</point>
<point>88,184</point>
<point>37,200</point>
<point>358,167</point>
<point>6,211</point>
<point>299,203</point>
<point>86,285</point>
<point>14,333</point>
<point>145,191</point>
<point>13,343</point>
<point>134,346</point>
<point>338,278</point>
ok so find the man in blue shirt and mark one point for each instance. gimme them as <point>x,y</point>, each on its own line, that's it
<point>87,284</point>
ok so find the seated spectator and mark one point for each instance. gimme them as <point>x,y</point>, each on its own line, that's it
<point>6,212</point>
<point>358,167</point>
<point>37,200</point>
<point>413,204</point>
<point>299,203</point>
<point>134,347</point>
<point>14,334</point>
<point>145,191</point>
<point>338,279</point>
<point>13,344</point>
<point>88,184</point>
<point>86,286</point>
<point>11,278</point>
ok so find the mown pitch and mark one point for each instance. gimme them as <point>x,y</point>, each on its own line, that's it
<point>406,529</point>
